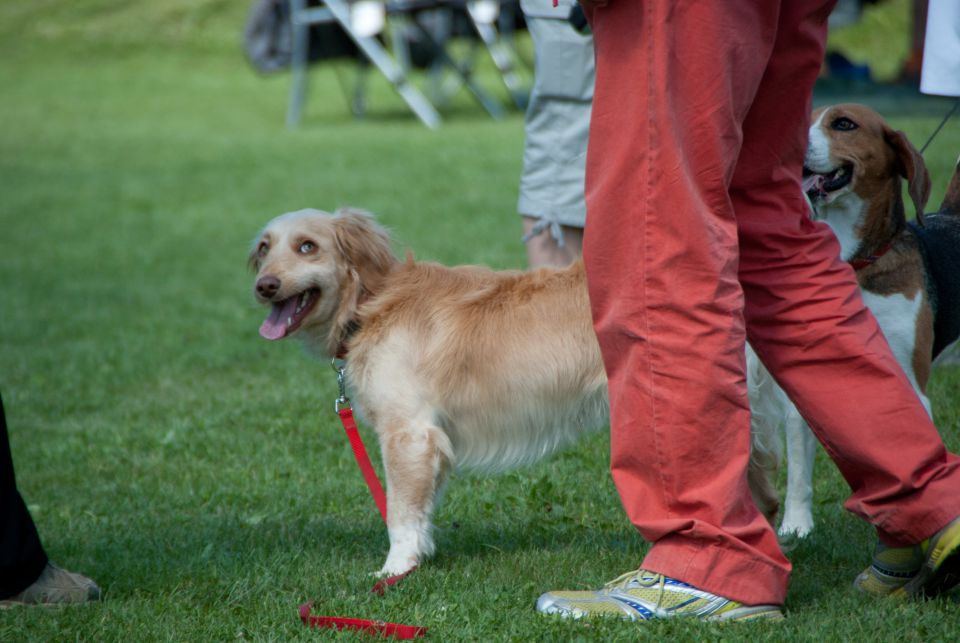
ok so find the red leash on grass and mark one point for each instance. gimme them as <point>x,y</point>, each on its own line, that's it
<point>397,631</point>
<point>381,628</point>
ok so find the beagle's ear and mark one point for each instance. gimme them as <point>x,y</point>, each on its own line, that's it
<point>364,245</point>
<point>912,168</point>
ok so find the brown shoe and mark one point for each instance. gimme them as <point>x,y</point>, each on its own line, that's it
<point>55,586</point>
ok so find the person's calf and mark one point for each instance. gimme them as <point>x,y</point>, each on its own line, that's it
<point>545,249</point>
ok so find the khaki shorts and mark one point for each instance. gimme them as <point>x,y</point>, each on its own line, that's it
<point>557,122</point>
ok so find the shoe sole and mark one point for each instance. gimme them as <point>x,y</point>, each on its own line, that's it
<point>750,613</point>
<point>12,605</point>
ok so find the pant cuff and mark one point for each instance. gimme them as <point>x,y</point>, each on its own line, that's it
<point>720,571</point>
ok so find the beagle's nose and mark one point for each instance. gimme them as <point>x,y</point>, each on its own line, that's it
<point>268,286</point>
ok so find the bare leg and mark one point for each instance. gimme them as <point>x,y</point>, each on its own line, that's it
<point>543,250</point>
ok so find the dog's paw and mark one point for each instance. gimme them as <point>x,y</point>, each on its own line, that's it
<point>397,564</point>
<point>389,570</point>
<point>791,532</point>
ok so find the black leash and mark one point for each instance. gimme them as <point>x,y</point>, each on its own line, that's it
<point>953,109</point>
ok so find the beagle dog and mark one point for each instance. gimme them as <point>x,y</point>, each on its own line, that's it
<point>909,272</point>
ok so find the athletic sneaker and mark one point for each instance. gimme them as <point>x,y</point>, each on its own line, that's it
<point>645,595</point>
<point>921,571</point>
<point>55,586</point>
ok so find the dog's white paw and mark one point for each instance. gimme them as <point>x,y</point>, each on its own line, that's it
<point>793,530</point>
<point>395,568</point>
<point>408,545</point>
<point>401,559</point>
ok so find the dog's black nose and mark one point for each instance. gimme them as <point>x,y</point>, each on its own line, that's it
<point>268,286</point>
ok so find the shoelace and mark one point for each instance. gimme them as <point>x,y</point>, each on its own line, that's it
<point>622,581</point>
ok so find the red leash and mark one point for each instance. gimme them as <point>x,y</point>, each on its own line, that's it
<point>381,628</point>
<point>363,460</point>
<point>342,407</point>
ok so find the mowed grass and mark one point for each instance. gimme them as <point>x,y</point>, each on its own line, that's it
<point>197,472</point>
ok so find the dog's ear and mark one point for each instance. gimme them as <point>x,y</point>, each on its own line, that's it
<point>364,245</point>
<point>911,167</point>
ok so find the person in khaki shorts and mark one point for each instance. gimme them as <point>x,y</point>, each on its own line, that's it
<point>555,148</point>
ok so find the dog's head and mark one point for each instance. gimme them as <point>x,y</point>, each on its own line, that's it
<point>852,151</point>
<point>314,269</point>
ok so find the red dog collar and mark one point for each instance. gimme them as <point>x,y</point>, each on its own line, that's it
<point>867,261</point>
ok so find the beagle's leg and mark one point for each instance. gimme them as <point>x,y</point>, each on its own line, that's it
<point>899,319</point>
<point>418,459</point>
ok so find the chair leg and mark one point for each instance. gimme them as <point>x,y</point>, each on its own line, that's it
<point>377,55</point>
<point>502,59</point>
<point>463,72</point>
<point>298,84</point>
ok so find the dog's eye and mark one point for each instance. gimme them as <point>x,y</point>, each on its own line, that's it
<point>307,247</point>
<point>263,249</point>
<point>843,124</point>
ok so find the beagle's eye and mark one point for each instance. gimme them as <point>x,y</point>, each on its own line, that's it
<point>307,247</point>
<point>843,124</point>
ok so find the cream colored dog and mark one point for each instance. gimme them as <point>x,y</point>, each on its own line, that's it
<point>454,367</point>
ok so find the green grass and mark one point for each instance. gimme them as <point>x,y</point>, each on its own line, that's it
<point>198,473</point>
<point>880,39</point>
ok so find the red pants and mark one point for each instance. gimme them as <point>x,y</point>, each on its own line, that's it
<point>698,238</point>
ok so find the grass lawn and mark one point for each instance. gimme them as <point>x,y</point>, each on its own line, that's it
<point>197,472</point>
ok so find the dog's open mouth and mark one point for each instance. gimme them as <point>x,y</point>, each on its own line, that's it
<point>818,186</point>
<point>287,315</point>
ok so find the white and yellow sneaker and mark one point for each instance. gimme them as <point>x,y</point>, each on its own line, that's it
<point>645,595</point>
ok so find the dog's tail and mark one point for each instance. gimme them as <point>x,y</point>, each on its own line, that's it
<point>951,201</point>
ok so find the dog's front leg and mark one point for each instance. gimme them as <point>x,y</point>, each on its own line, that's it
<point>417,461</point>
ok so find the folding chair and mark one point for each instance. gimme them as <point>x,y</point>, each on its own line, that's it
<point>338,11</point>
<point>431,24</point>
<point>499,49</point>
<point>400,14</point>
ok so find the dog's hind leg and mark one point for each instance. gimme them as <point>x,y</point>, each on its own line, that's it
<point>801,453</point>
<point>766,453</point>
<point>418,460</point>
<point>766,445</point>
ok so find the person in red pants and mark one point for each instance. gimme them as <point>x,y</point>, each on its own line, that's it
<point>697,239</point>
<point>27,577</point>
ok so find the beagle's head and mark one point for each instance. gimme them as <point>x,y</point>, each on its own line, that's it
<point>852,151</point>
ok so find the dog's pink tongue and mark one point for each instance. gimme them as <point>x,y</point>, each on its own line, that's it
<point>275,325</point>
<point>812,181</point>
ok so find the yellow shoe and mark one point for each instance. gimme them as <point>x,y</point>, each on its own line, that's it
<point>921,571</point>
